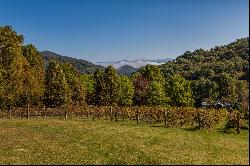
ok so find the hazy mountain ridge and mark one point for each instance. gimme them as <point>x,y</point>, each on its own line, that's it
<point>126,70</point>
<point>81,65</point>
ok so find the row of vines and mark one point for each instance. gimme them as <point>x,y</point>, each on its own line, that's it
<point>170,116</point>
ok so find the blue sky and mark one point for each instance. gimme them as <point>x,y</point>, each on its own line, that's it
<point>111,30</point>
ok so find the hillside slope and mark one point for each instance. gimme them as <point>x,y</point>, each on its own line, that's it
<point>126,70</point>
<point>82,66</point>
<point>231,59</point>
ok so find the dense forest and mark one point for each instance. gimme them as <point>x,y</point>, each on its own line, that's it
<point>219,74</point>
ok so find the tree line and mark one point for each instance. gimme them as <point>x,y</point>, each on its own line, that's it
<point>25,80</point>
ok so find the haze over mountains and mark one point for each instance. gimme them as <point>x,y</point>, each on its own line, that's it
<point>137,63</point>
<point>125,67</point>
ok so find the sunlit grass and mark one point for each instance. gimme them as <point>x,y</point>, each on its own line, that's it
<point>78,141</point>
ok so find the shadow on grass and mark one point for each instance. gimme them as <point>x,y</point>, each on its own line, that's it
<point>230,130</point>
<point>192,128</point>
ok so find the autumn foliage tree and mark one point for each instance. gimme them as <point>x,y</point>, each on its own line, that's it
<point>34,76</point>
<point>125,91</point>
<point>179,90</point>
<point>141,86</point>
<point>77,91</point>
<point>57,91</point>
<point>109,95</point>
<point>12,65</point>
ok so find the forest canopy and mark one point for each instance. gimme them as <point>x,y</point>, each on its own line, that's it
<point>219,74</point>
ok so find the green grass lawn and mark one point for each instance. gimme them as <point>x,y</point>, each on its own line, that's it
<point>81,141</point>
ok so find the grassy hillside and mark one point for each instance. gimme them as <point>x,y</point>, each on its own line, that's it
<point>55,141</point>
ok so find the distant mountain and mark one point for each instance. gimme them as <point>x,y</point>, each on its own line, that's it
<point>82,66</point>
<point>126,70</point>
<point>134,63</point>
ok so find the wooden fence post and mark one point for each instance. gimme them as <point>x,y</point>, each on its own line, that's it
<point>10,112</point>
<point>111,114</point>
<point>65,112</point>
<point>199,120</point>
<point>137,115</point>
<point>94,113</point>
<point>106,114</point>
<point>44,111</point>
<point>28,111</point>
<point>115,116</point>
<point>238,122</point>
<point>165,118</point>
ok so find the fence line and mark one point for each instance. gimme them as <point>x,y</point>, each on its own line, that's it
<point>170,116</point>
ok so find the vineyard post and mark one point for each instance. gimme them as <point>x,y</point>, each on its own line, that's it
<point>28,111</point>
<point>81,111</point>
<point>137,115</point>
<point>65,112</point>
<point>111,115</point>
<point>165,118</point>
<point>238,122</point>
<point>94,112</point>
<point>199,120</point>
<point>157,114</point>
<point>10,112</point>
<point>106,114</point>
<point>44,109</point>
<point>123,114</point>
<point>116,114</point>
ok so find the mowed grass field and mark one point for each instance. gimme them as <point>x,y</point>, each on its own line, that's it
<point>82,141</point>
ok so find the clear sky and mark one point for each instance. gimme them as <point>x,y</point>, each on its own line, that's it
<point>111,30</point>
